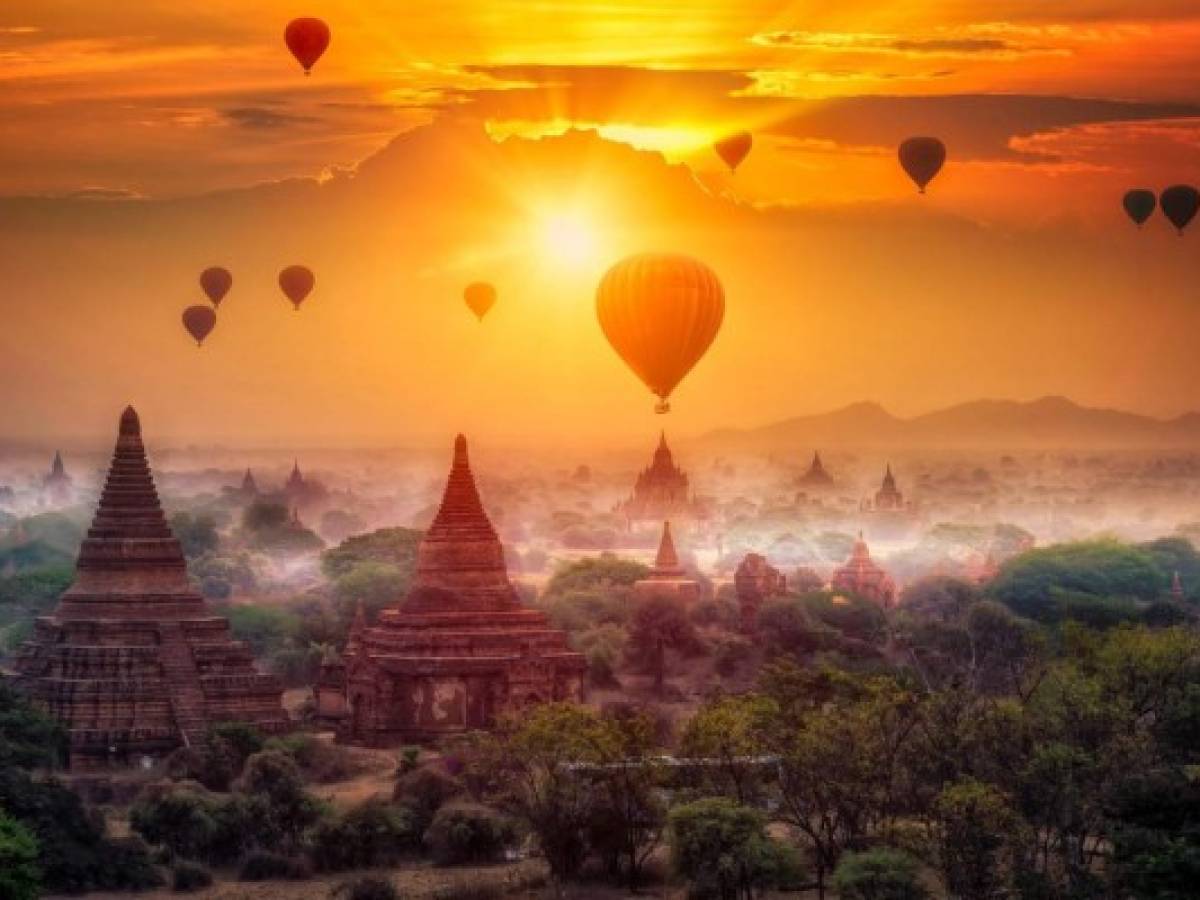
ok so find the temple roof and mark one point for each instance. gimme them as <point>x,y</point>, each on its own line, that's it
<point>461,514</point>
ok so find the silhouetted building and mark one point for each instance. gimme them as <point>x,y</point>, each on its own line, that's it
<point>57,486</point>
<point>661,491</point>
<point>888,497</point>
<point>667,578</point>
<point>755,582</point>
<point>249,488</point>
<point>861,576</point>
<point>816,478</point>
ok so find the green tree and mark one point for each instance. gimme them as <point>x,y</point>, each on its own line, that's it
<point>396,547</point>
<point>606,572</point>
<point>659,624</point>
<point>978,838</point>
<point>728,732</point>
<point>28,738</point>
<point>20,877</point>
<point>197,534</point>
<point>880,874</point>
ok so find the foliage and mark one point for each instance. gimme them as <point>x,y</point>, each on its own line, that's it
<point>607,573</point>
<point>880,874</point>
<point>659,624</point>
<point>265,866</point>
<point>394,547</point>
<point>426,790</point>
<point>20,877</point>
<point>850,616</point>
<point>197,534</point>
<point>264,516</point>
<point>273,778</point>
<point>978,839</point>
<point>374,584</point>
<point>373,833</point>
<point>264,628</point>
<point>939,597</point>
<point>188,876</point>
<point>788,630</point>
<point>723,850</point>
<point>367,888</point>
<point>577,611</point>
<point>28,738</point>
<point>465,832</point>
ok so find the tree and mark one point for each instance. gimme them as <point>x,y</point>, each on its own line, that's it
<point>939,596</point>
<point>28,738</point>
<point>880,874</point>
<point>1156,835</point>
<point>978,834</point>
<point>20,877</point>
<point>375,584</point>
<point>264,515</point>
<point>273,777</point>
<point>723,850</point>
<point>659,624</point>
<point>396,547</point>
<point>727,732</point>
<point>197,534</point>
<point>606,572</point>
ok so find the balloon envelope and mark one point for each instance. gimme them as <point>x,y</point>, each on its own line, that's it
<point>661,313</point>
<point>216,283</point>
<point>734,149</point>
<point>199,322</point>
<point>922,158</point>
<point>480,297</point>
<point>1179,203</point>
<point>1139,205</point>
<point>297,282</point>
<point>307,38</point>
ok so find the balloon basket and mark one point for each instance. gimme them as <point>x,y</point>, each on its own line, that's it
<point>662,407</point>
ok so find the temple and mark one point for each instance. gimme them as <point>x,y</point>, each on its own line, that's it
<point>459,649</point>
<point>57,486</point>
<point>661,491</point>
<point>817,477</point>
<point>667,578</point>
<point>249,487</point>
<point>862,576</point>
<point>756,581</point>
<point>888,497</point>
<point>132,661</point>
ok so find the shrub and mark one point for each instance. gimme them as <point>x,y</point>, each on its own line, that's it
<point>181,819</point>
<point>186,876</point>
<point>373,833</point>
<point>881,874</point>
<point>369,888</point>
<point>729,653</point>
<point>425,791</point>
<point>464,832</point>
<point>263,866</point>
<point>320,761</point>
<point>410,758</point>
<point>20,878</point>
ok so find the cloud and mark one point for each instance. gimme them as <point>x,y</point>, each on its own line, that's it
<point>941,43</point>
<point>102,193</point>
<point>260,117</point>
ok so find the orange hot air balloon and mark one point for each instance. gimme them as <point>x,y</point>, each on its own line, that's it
<point>307,38</point>
<point>661,313</point>
<point>480,297</point>
<point>216,283</point>
<point>199,322</point>
<point>922,158</point>
<point>297,282</point>
<point>734,149</point>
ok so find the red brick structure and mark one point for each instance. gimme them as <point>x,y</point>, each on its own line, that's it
<point>460,648</point>
<point>861,576</point>
<point>755,581</point>
<point>668,577</point>
<point>132,661</point>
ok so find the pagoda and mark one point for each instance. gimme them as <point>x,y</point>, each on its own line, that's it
<point>132,661</point>
<point>860,575</point>
<point>249,486</point>
<point>57,485</point>
<point>888,497</point>
<point>817,477</point>
<point>661,491</point>
<point>459,649</point>
<point>667,578</point>
<point>754,582</point>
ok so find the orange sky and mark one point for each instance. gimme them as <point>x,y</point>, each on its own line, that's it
<point>158,139</point>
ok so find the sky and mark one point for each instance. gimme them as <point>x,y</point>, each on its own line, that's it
<point>535,143</point>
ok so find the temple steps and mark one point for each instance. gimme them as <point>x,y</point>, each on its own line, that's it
<point>183,683</point>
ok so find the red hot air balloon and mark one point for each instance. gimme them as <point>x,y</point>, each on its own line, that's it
<point>660,312</point>
<point>480,297</point>
<point>297,282</point>
<point>922,158</point>
<point>734,149</point>
<point>216,283</point>
<point>1139,205</point>
<point>1179,203</point>
<point>307,38</point>
<point>199,322</point>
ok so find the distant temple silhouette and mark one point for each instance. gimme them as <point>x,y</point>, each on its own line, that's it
<point>668,577</point>
<point>888,497</point>
<point>57,486</point>
<point>459,649</point>
<point>860,575</point>
<point>817,477</point>
<point>661,491</point>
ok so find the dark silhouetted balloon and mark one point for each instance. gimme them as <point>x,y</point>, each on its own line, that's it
<point>199,322</point>
<point>297,282</point>
<point>480,296</point>
<point>1139,205</point>
<point>661,313</point>
<point>1179,204</point>
<point>734,149</point>
<point>922,158</point>
<point>216,283</point>
<point>307,38</point>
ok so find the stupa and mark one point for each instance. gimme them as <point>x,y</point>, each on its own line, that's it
<point>57,485</point>
<point>460,648</point>
<point>667,578</point>
<point>888,497</point>
<point>862,576</point>
<point>754,582</point>
<point>817,477</point>
<point>661,490</point>
<point>132,661</point>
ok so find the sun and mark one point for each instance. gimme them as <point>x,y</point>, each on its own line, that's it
<point>568,238</point>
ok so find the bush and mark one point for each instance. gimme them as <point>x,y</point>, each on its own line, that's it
<point>729,653</point>
<point>368,888</point>
<point>181,819</point>
<point>464,832</point>
<point>186,876</point>
<point>321,761</point>
<point>425,791</point>
<point>263,866</point>
<point>882,874</point>
<point>373,833</point>
<point>20,878</point>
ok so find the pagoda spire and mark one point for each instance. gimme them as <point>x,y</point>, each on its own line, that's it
<point>667,560</point>
<point>461,514</point>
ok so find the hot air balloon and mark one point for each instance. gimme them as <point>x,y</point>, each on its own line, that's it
<point>660,312</point>
<point>734,149</point>
<point>1139,205</point>
<point>307,38</point>
<point>1179,204</point>
<point>480,297</point>
<point>297,282</point>
<point>216,283</point>
<point>199,322</point>
<point>922,159</point>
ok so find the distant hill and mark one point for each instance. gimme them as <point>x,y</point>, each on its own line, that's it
<point>1047,422</point>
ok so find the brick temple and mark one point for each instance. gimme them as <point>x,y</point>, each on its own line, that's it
<point>132,661</point>
<point>459,649</point>
<point>668,578</point>
<point>661,491</point>
<point>862,576</point>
